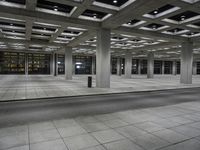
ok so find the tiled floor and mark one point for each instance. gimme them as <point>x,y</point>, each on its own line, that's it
<point>173,127</point>
<point>14,87</point>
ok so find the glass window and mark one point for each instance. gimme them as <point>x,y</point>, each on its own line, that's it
<point>83,64</point>
<point>61,64</point>
<point>12,63</point>
<point>157,67</point>
<point>39,64</point>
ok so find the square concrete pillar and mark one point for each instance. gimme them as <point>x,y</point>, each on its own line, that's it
<point>54,64</point>
<point>119,67</point>
<point>68,63</point>
<point>103,58</point>
<point>150,65</point>
<point>194,68</point>
<point>128,65</point>
<point>186,62</point>
<point>174,68</point>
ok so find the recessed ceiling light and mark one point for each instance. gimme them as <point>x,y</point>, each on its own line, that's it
<point>155,11</point>
<point>115,1</point>
<point>55,9</point>
<point>182,18</point>
<point>95,15</point>
<point>11,24</point>
<point>154,27</point>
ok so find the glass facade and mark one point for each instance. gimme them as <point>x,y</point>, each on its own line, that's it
<point>178,67</point>
<point>158,67</point>
<point>198,67</point>
<point>168,67</point>
<point>114,65</point>
<point>38,64</point>
<point>61,64</point>
<point>143,66</point>
<point>83,64</point>
<point>12,63</point>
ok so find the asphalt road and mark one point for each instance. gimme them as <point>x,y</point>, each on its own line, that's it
<point>18,113</point>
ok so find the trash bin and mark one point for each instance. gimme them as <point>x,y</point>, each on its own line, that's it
<point>89,81</point>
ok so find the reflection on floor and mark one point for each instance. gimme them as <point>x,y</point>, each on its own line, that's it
<point>37,86</point>
<point>174,127</point>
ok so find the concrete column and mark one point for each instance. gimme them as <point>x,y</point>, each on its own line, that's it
<point>128,65</point>
<point>194,68</point>
<point>93,65</point>
<point>119,67</point>
<point>163,67</point>
<point>26,64</point>
<point>111,65</point>
<point>174,68</point>
<point>139,67</point>
<point>186,62</point>
<point>103,58</point>
<point>68,63</point>
<point>150,65</point>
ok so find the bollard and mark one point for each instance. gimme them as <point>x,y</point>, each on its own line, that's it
<point>89,81</point>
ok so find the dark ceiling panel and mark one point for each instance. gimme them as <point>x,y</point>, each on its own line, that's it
<point>54,6</point>
<point>94,14</point>
<point>117,3</point>
<point>184,16</point>
<point>161,9</point>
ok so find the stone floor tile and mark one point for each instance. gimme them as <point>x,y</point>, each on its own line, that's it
<point>150,142</point>
<point>92,127</point>
<point>166,123</point>
<point>80,142</point>
<point>122,145</point>
<point>115,123</point>
<point>107,136</point>
<point>13,130</point>
<point>71,131</point>
<point>195,125</point>
<point>25,147</point>
<point>186,145</point>
<point>99,147</point>
<point>180,120</point>
<point>49,145</point>
<point>64,123</point>
<point>45,135</point>
<point>149,126</point>
<point>15,140</point>
<point>187,131</point>
<point>130,131</point>
<point>170,136</point>
<point>41,126</point>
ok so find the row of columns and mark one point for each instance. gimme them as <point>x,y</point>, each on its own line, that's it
<point>103,66</point>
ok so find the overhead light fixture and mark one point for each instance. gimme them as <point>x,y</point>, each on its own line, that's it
<point>55,8</point>
<point>115,1</point>
<point>155,11</point>
<point>94,15</point>
<point>182,18</point>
